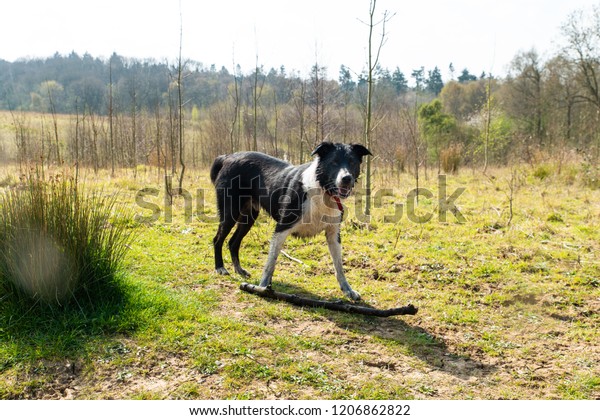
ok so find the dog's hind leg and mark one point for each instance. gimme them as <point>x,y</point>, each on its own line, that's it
<point>227,222</point>
<point>245,223</point>
<point>224,228</point>
<point>274,249</point>
<point>335,249</point>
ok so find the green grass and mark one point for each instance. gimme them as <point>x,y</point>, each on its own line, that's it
<point>59,243</point>
<point>504,310</point>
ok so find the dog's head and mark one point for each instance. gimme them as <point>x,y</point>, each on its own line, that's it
<point>339,166</point>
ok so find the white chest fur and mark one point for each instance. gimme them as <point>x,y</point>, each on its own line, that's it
<point>319,211</point>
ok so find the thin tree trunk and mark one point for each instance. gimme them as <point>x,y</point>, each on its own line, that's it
<point>181,125</point>
<point>372,64</point>
<point>110,119</point>
<point>488,123</point>
<point>55,124</point>
<point>367,132</point>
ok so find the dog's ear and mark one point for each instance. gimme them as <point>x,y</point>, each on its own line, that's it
<point>360,150</point>
<point>323,148</point>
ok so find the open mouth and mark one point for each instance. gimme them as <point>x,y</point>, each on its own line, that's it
<point>341,192</point>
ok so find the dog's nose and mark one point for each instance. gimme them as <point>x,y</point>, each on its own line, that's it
<point>347,179</point>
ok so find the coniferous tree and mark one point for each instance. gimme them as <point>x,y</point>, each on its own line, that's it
<point>434,82</point>
<point>466,77</point>
<point>345,79</point>
<point>399,81</point>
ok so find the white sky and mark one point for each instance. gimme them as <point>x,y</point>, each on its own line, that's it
<point>480,35</point>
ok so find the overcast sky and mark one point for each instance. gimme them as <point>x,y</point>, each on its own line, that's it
<point>480,35</point>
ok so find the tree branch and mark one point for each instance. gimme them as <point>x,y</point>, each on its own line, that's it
<point>334,306</point>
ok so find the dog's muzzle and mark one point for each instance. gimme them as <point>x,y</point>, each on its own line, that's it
<point>344,186</point>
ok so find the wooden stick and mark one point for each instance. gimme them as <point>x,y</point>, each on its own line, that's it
<point>334,306</point>
<point>296,260</point>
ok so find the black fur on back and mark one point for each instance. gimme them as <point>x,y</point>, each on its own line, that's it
<point>255,179</point>
<point>216,168</point>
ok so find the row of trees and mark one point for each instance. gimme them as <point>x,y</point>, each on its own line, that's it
<point>73,80</point>
<point>127,112</point>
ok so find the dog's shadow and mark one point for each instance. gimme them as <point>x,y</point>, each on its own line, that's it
<point>402,334</point>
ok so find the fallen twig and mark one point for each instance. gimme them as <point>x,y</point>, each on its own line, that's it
<point>296,260</point>
<point>334,306</point>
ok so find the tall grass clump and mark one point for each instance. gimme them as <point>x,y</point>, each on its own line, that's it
<point>60,243</point>
<point>591,173</point>
<point>450,158</point>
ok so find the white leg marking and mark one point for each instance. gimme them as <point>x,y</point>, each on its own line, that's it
<point>275,248</point>
<point>335,249</point>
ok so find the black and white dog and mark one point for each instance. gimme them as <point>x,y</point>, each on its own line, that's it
<point>304,200</point>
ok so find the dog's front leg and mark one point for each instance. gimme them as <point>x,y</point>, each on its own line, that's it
<point>276,245</point>
<point>335,249</point>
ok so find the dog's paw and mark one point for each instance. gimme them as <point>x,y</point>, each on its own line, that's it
<point>352,294</point>
<point>242,272</point>
<point>266,283</point>
<point>222,271</point>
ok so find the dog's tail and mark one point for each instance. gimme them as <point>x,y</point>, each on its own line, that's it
<point>216,167</point>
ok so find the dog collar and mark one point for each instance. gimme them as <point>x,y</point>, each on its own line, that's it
<point>338,202</point>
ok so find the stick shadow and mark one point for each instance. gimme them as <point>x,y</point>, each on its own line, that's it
<point>400,331</point>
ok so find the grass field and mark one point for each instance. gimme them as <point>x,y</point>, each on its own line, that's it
<point>505,310</point>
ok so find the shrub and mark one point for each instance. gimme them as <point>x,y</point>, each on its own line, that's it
<point>555,217</point>
<point>590,174</point>
<point>542,172</point>
<point>400,156</point>
<point>451,158</point>
<point>58,242</point>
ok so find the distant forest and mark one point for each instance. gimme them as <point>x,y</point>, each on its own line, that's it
<point>128,112</point>
<point>76,82</point>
